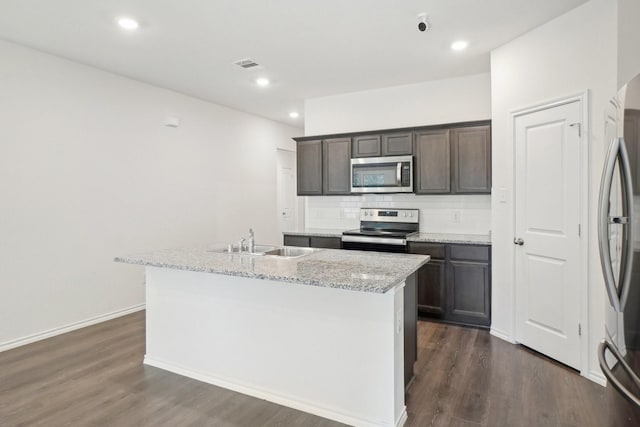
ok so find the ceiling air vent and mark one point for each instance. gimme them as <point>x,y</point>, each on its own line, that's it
<point>246,63</point>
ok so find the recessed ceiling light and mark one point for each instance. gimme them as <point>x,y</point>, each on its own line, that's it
<point>460,45</point>
<point>294,115</point>
<point>262,82</point>
<point>128,23</point>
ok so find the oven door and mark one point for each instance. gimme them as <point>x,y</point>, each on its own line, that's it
<point>382,175</point>
<point>377,244</point>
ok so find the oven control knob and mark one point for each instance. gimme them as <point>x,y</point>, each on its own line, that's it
<point>404,214</point>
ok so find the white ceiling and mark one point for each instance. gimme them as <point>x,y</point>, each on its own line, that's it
<point>307,48</point>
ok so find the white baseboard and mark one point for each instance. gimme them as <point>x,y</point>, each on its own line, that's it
<point>597,377</point>
<point>288,401</point>
<point>8,345</point>
<point>402,418</point>
<point>502,335</point>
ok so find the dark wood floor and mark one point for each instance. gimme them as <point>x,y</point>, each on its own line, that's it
<point>95,377</point>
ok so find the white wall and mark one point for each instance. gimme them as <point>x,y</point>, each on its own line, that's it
<point>88,172</point>
<point>443,101</point>
<point>628,40</point>
<point>575,52</point>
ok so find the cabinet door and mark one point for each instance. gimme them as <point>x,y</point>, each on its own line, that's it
<point>431,289</point>
<point>326,242</point>
<point>337,166</point>
<point>432,162</point>
<point>309,167</point>
<point>365,146</point>
<point>397,144</point>
<point>469,292</point>
<point>471,150</point>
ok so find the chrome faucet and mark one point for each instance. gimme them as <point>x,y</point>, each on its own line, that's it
<point>252,241</point>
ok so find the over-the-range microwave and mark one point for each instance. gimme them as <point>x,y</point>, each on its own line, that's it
<point>382,174</point>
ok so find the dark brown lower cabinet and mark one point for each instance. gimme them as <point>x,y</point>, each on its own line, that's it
<point>431,293</point>
<point>313,241</point>
<point>468,293</point>
<point>455,285</point>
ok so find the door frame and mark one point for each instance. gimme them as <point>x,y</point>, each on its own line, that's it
<point>585,166</point>
<point>298,218</point>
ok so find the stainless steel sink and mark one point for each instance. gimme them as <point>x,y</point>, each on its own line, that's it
<point>290,252</point>
<point>258,250</point>
<point>276,251</point>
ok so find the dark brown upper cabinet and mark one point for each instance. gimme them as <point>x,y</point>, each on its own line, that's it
<point>432,162</point>
<point>397,144</point>
<point>337,166</point>
<point>471,152</point>
<point>365,146</point>
<point>309,165</point>
<point>448,159</point>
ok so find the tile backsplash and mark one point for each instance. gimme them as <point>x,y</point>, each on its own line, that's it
<point>467,214</point>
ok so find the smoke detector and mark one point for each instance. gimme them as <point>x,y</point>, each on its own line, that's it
<point>246,63</point>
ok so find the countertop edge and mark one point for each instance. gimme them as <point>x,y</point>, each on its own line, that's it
<point>285,279</point>
<point>450,238</point>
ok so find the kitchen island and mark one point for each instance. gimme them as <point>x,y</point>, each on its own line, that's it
<point>323,332</point>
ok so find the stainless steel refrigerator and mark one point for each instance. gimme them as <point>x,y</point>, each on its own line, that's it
<point>619,241</point>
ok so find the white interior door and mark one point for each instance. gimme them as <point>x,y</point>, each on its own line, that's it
<point>547,196</point>
<point>286,182</point>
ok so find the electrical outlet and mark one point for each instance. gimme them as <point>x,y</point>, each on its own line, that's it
<point>456,216</point>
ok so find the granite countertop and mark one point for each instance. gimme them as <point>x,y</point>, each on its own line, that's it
<point>350,270</point>
<point>316,232</point>
<point>465,239</point>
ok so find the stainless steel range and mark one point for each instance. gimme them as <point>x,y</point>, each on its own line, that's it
<point>383,230</point>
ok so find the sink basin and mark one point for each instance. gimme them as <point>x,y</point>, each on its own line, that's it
<point>279,251</point>
<point>290,252</point>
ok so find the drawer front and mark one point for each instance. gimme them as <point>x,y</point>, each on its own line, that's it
<point>470,252</point>
<point>326,242</point>
<point>296,240</point>
<point>436,251</point>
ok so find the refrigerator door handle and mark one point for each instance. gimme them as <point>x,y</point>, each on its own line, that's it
<point>603,224</point>
<point>606,345</point>
<point>627,211</point>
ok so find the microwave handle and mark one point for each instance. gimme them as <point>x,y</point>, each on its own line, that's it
<point>399,173</point>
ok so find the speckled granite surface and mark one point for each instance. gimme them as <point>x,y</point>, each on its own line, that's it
<point>316,232</point>
<point>465,239</point>
<point>470,239</point>
<point>351,270</point>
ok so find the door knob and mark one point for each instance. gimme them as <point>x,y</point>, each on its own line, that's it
<point>518,241</point>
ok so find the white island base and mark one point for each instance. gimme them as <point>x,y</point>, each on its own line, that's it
<point>331,352</point>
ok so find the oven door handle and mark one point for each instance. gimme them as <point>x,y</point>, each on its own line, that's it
<point>374,240</point>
